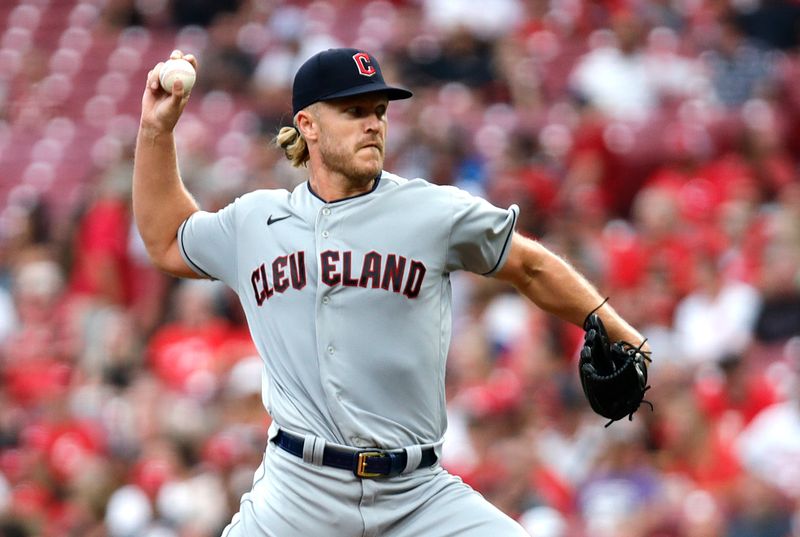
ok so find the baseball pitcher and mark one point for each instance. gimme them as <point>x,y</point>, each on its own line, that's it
<point>345,282</point>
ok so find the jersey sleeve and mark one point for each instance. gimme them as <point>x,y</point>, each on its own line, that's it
<point>480,237</point>
<point>207,243</point>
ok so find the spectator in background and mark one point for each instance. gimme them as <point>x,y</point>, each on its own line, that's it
<point>717,317</point>
<point>763,146</point>
<point>457,56</point>
<point>769,449</point>
<point>774,24</point>
<point>523,175</point>
<point>467,16</point>
<point>229,67</point>
<point>759,511</point>
<point>102,274</point>
<point>132,508</point>
<point>273,74</point>
<point>38,358</point>
<point>197,346</point>
<point>28,235</point>
<point>657,245</point>
<point>738,69</point>
<point>620,494</point>
<point>778,318</point>
<point>695,450</point>
<point>735,391</point>
<point>613,76</point>
<point>675,76</point>
<point>272,78</point>
<point>568,445</point>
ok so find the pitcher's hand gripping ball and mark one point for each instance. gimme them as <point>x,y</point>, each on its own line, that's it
<point>613,375</point>
<point>177,69</point>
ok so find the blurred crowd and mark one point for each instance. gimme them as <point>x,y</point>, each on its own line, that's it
<point>653,143</point>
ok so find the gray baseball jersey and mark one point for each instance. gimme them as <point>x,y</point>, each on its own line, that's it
<point>348,302</point>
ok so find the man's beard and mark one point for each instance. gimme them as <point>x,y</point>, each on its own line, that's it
<point>338,160</point>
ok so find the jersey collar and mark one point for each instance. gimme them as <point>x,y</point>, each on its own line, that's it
<point>375,184</point>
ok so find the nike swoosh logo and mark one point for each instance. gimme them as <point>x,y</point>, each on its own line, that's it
<point>271,220</point>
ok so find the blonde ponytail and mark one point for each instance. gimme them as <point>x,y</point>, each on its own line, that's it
<point>293,145</point>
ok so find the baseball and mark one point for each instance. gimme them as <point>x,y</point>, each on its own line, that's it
<point>177,69</point>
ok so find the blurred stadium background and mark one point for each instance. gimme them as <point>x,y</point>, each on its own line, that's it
<point>655,143</point>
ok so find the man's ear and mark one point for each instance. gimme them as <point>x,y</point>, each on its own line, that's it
<point>307,124</point>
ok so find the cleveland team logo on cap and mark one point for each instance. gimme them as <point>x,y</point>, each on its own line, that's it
<point>364,64</point>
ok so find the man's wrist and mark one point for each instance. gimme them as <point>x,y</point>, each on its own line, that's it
<point>153,133</point>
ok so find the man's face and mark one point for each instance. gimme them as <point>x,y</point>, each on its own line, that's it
<point>352,135</point>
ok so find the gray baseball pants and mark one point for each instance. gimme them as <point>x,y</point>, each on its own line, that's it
<point>292,498</point>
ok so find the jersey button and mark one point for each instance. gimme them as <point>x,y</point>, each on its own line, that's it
<point>326,300</point>
<point>325,234</point>
<point>331,350</point>
<point>326,211</point>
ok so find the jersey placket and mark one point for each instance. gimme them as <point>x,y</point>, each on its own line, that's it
<point>325,226</point>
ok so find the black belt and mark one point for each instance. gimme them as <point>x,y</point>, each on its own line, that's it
<point>363,463</point>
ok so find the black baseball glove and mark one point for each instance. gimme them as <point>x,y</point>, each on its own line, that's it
<point>613,375</point>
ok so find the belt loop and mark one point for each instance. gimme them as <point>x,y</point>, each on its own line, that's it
<point>308,448</point>
<point>319,451</point>
<point>272,432</point>
<point>413,458</point>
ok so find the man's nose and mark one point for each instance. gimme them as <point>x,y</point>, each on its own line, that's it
<point>373,123</point>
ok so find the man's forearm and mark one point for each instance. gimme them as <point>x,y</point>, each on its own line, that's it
<point>556,287</point>
<point>160,200</point>
<point>561,290</point>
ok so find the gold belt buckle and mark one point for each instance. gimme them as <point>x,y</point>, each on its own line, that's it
<point>361,467</point>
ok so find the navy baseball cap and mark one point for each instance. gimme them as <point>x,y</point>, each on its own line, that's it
<point>340,72</point>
